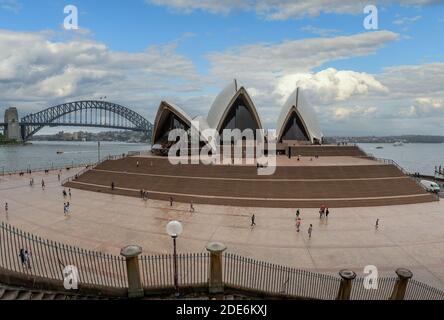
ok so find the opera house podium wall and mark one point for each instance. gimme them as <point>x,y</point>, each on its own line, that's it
<point>335,181</point>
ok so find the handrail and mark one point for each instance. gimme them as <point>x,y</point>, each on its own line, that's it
<point>74,177</point>
<point>90,166</point>
<point>44,257</point>
<point>51,168</point>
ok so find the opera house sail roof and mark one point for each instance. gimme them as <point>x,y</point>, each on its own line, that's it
<point>233,108</point>
<point>297,120</point>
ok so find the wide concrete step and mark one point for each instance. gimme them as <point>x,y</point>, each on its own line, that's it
<point>10,295</point>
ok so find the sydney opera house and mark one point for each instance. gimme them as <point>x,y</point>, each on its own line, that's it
<point>233,108</point>
<point>306,172</point>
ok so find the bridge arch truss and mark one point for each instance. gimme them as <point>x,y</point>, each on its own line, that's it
<point>88,113</point>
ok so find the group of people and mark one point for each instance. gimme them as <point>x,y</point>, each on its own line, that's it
<point>323,212</point>
<point>66,194</point>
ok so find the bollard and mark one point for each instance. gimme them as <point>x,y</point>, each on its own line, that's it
<point>216,281</point>
<point>400,287</point>
<point>131,254</point>
<point>346,284</point>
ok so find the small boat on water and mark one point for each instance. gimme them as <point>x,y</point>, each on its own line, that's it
<point>379,147</point>
<point>60,152</point>
<point>398,144</point>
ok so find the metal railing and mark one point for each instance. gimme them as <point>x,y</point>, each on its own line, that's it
<point>420,291</point>
<point>246,273</point>
<point>25,253</point>
<point>399,167</point>
<point>78,174</point>
<point>4,172</point>
<point>158,271</point>
<point>383,290</point>
<point>91,166</point>
<point>48,259</point>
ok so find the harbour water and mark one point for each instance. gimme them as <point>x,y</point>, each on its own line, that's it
<point>414,157</point>
<point>47,154</point>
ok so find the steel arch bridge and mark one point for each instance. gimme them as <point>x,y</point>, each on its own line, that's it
<point>88,113</point>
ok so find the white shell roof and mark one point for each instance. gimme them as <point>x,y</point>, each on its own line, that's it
<point>170,107</point>
<point>296,101</point>
<point>223,102</point>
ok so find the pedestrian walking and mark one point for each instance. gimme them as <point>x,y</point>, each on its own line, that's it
<point>298,212</point>
<point>22,257</point>
<point>137,163</point>
<point>64,193</point>
<point>253,220</point>
<point>191,207</point>
<point>377,224</point>
<point>112,185</point>
<point>298,224</point>
<point>310,230</point>
<point>58,176</point>
<point>43,184</point>
<point>171,201</point>
<point>64,208</point>
<point>327,212</point>
<point>6,207</point>
<point>27,259</point>
<point>69,192</point>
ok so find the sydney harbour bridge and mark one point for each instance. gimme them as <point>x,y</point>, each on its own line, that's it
<point>88,113</point>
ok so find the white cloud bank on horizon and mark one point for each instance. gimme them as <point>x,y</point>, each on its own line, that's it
<point>37,72</point>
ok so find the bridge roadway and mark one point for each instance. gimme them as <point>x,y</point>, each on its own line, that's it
<point>408,235</point>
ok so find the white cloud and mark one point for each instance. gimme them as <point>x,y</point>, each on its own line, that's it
<point>266,61</point>
<point>42,71</point>
<point>323,32</point>
<point>342,113</point>
<point>330,85</point>
<point>280,9</point>
<point>10,5</point>
<point>37,71</point>
<point>424,107</point>
<point>406,20</point>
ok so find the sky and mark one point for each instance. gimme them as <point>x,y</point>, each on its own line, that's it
<point>360,81</point>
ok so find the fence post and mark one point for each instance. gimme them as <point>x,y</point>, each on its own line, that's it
<point>131,254</point>
<point>215,282</point>
<point>400,287</point>
<point>346,284</point>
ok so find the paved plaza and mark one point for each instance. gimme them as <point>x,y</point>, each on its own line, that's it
<point>409,236</point>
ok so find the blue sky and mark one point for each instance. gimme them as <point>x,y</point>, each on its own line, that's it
<point>202,38</point>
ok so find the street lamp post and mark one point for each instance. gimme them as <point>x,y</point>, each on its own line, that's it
<point>174,230</point>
